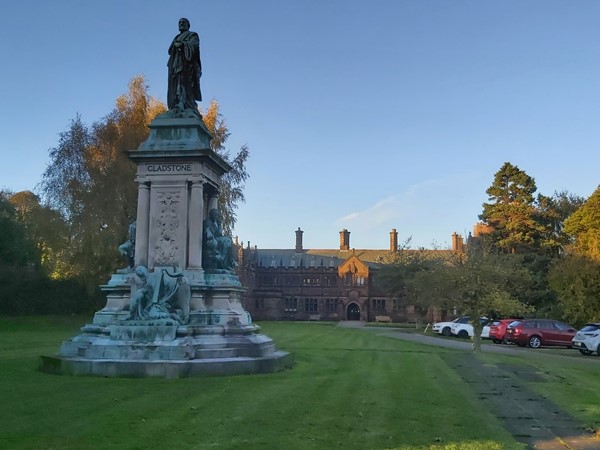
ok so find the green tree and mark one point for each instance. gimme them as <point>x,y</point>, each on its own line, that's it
<point>17,252</point>
<point>583,226</point>
<point>576,280</point>
<point>511,211</point>
<point>576,277</point>
<point>45,228</point>
<point>416,278</point>
<point>476,283</point>
<point>489,285</point>
<point>552,213</point>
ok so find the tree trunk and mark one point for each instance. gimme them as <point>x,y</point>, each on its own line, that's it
<point>477,329</point>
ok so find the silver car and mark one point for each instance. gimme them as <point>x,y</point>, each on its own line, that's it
<point>587,340</point>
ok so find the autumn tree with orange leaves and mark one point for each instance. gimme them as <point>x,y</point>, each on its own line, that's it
<point>90,181</point>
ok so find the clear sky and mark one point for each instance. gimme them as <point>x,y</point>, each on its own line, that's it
<point>359,115</point>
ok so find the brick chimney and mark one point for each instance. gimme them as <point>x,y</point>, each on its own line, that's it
<point>457,242</point>
<point>393,240</point>
<point>299,240</point>
<point>344,240</point>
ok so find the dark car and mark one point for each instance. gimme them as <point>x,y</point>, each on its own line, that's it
<point>540,332</point>
<point>498,330</point>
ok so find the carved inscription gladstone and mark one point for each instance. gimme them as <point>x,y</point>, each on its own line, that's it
<point>168,223</point>
<point>166,168</point>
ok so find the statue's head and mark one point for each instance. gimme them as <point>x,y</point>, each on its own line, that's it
<point>184,24</point>
<point>214,215</point>
<point>141,272</point>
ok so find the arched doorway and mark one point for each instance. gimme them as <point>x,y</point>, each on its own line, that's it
<point>353,312</point>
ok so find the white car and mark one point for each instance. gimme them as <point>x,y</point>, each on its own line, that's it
<point>587,340</point>
<point>445,328</point>
<point>465,330</point>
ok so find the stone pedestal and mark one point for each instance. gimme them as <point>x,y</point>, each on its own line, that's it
<point>211,334</point>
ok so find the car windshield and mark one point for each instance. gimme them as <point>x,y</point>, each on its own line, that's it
<point>514,324</point>
<point>461,319</point>
<point>591,327</point>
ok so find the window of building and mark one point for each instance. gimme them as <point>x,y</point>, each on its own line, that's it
<point>348,279</point>
<point>330,280</point>
<point>291,304</point>
<point>397,304</point>
<point>311,305</point>
<point>331,305</point>
<point>379,304</point>
<point>311,280</point>
<point>259,303</point>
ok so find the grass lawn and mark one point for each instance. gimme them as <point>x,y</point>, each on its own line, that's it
<point>348,389</point>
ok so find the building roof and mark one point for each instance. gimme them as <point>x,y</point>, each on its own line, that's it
<point>317,257</point>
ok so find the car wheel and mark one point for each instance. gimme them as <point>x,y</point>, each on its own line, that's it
<point>506,341</point>
<point>585,351</point>
<point>598,350</point>
<point>463,334</point>
<point>497,341</point>
<point>535,342</point>
<point>446,331</point>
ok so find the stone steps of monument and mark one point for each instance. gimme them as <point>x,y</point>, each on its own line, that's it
<point>273,362</point>
<point>156,351</point>
<point>204,353</point>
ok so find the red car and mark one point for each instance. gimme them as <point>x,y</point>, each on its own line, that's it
<point>540,332</point>
<point>498,330</point>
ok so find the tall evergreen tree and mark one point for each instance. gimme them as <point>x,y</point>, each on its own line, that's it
<point>511,212</point>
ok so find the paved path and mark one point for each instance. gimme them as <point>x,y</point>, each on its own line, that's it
<point>531,418</point>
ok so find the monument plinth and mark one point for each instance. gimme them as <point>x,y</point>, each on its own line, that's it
<point>176,310</point>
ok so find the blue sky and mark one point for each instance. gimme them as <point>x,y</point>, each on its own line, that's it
<point>359,115</point>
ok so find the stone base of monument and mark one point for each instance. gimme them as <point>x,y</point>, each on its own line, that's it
<point>177,312</point>
<point>217,338</point>
<point>166,351</point>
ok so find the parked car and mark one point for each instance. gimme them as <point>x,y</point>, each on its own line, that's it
<point>445,328</point>
<point>465,330</point>
<point>587,340</point>
<point>498,330</point>
<point>540,332</point>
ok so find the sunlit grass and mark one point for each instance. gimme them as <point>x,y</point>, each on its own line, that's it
<point>348,389</point>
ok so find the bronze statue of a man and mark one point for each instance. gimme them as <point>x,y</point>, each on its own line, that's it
<point>185,69</point>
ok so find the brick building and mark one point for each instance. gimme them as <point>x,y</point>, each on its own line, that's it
<point>322,284</point>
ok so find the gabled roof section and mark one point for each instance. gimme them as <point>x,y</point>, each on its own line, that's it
<point>354,266</point>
